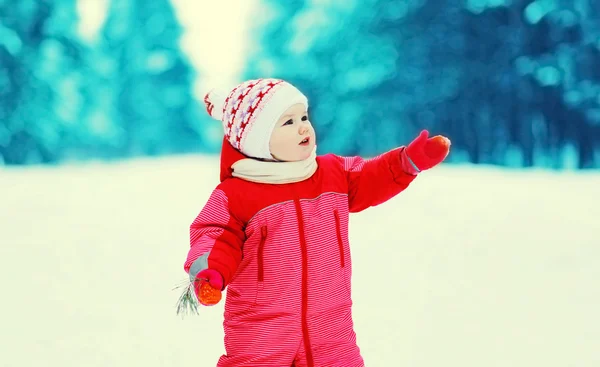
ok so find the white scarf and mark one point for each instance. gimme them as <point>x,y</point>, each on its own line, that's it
<point>275,172</point>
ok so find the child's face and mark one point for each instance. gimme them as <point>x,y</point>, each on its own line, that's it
<point>293,138</point>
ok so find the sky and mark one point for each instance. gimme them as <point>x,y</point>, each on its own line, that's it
<point>474,266</point>
<point>215,37</point>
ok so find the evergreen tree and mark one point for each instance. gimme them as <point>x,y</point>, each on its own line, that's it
<point>364,65</point>
<point>564,50</point>
<point>39,57</point>
<point>510,82</point>
<point>148,89</point>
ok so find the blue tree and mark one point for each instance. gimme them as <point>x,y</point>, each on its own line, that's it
<point>503,79</point>
<point>40,57</point>
<point>148,81</point>
<point>364,69</point>
<point>560,61</point>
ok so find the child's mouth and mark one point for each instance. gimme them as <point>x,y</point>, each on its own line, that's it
<point>305,141</point>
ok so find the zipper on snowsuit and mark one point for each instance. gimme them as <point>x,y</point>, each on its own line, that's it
<point>261,248</point>
<point>338,231</point>
<point>308,348</point>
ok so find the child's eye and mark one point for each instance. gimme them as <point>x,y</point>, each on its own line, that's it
<point>288,122</point>
<point>304,118</point>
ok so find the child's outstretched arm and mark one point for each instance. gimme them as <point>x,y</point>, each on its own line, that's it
<point>216,239</point>
<point>374,181</point>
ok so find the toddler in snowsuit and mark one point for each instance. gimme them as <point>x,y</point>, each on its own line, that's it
<point>274,232</point>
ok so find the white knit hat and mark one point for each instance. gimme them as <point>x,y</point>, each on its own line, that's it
<point>249,112</point>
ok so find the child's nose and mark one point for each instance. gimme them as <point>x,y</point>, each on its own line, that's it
<point>303,129</point>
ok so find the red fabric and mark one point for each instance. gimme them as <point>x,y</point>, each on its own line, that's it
<point>229,156</point>
<point>208,287</point>
<point>213,277</point>
<point>284,254</point>
<point>428,152</point>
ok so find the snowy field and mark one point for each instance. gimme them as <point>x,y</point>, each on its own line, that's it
<point>473,267</point>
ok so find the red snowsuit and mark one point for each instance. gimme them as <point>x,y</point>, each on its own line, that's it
<point>284,255</point>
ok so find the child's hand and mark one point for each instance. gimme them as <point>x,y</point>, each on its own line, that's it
<point>425,152</point>
<point>208,287</point>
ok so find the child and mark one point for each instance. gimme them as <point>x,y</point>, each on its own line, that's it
<point>275,230</point>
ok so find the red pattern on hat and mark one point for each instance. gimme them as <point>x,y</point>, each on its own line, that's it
<point>241,106</point>
<point>208,104</point>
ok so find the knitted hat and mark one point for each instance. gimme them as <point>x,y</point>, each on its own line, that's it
<point>249,112</point>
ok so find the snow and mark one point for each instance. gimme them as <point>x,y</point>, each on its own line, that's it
<point>471,266</point>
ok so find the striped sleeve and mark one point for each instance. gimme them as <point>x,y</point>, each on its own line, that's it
<point>216,239</point>
<point>376,180</point>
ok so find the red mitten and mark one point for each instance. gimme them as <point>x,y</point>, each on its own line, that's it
<point>424,153</point>
<point>208,287</point>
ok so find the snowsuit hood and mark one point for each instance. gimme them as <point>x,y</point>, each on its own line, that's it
<point>229,156</point>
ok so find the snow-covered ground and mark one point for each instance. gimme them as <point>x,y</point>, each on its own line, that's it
<point>473,266</point>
